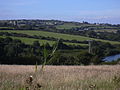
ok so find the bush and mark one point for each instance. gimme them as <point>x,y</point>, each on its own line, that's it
<point>85,58</point>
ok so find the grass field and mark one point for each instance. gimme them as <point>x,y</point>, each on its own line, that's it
<point>73,25</point>
<point>31,40</point>
<point>13,77</point>
<point>107,30</point>
<point>6,28</point>
<point>58,35</point>
<point>66,26</point>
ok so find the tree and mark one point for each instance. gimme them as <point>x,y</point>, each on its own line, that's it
<point>92,34</point>
<point>85,58</point>
<point>10,51</point>
<point>7,40</point>
<point>36,44</point>
<point>47,45</point>
<point>96,60</point>
<point>61,45</point>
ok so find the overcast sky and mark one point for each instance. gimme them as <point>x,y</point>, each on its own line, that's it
<point>102,11</point>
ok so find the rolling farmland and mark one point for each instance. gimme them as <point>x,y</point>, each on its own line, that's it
<point>67,26</point>
<point>58,35</point>
<point>31,40</point>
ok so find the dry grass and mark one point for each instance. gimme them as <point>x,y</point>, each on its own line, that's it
<point>13,77</point>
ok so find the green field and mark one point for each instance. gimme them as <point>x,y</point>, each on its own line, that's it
<point>31,40</point>
<point>73,25</point>
<point>107,30</point>
<point>66,26</point>
<point>58,35</point>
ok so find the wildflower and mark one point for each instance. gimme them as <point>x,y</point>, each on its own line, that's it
<point>29,80</point>
<point>92,86</point>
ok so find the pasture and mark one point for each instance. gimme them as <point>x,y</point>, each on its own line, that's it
<point>107,30</point>
<point>58,35</point>
<point>31,40</point>
<point>67,26</point>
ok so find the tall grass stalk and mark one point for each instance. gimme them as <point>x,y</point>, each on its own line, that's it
<point>48,57</point>
<point>36,67</point>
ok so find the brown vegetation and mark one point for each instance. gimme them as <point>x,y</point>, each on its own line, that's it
<point>13,77</point>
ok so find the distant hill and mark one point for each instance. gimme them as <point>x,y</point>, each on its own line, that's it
<point>79,31</point>
<point>56,24</point>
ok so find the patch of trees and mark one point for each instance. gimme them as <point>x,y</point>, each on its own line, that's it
<point>82,58</point>
<point>104,49</point>
<point>13,51</point>
<point>104,35</point>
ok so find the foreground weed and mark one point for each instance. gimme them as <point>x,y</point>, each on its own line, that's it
<point>31,85</point>
<point>48,57</point>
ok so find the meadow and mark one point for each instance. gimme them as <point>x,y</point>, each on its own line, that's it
<point>58,35</point>
<point>107,30</point>
<point>13,77</point>
<point>31,40</point>
<point>69,25</point>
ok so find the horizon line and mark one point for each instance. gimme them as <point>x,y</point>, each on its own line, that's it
<point>63,20</point>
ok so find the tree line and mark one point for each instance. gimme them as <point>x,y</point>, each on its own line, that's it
<point>13,51</point>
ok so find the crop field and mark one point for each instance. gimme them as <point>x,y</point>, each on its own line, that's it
<point>58,35</point>
<point>15,77</point>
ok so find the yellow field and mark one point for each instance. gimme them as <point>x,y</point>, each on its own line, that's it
<point>13,77</point>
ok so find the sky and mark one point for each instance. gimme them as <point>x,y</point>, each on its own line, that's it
<point>94,11</point>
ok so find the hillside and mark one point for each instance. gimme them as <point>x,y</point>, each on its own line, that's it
<point>31,40</point>
<point>25,40</point>
<point>58,35</point>
<point>102,31</point>
<point>54,24</point>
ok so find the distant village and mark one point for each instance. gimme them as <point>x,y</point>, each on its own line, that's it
<point>41,24</point>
